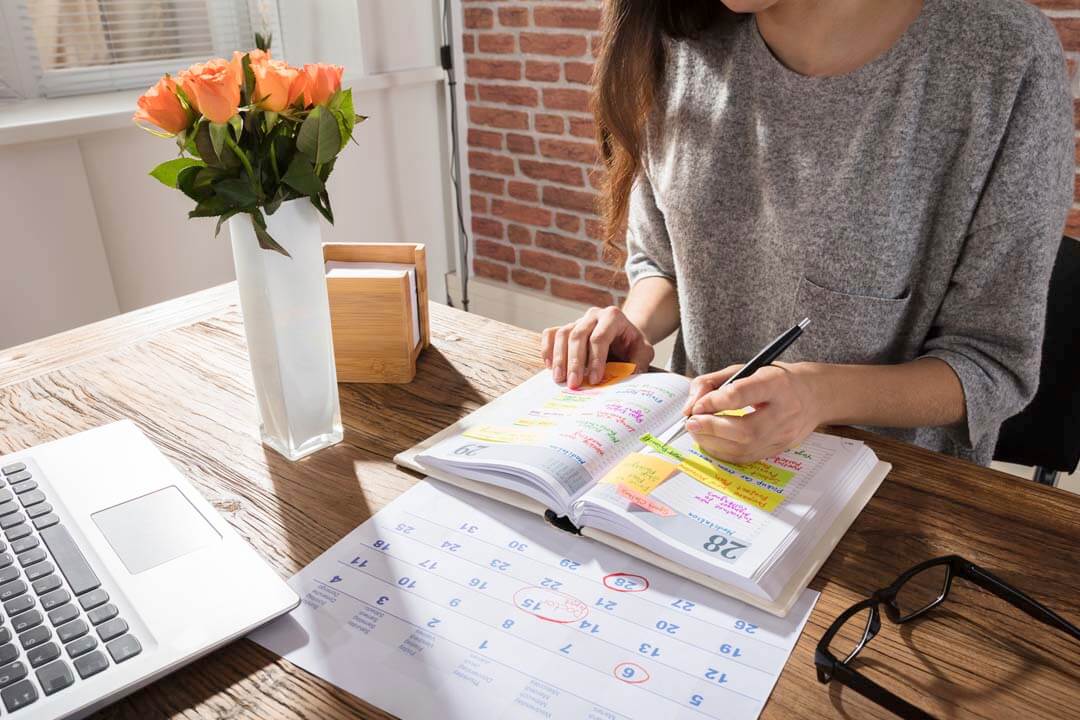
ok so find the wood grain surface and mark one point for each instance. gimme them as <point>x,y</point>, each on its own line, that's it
<point>180,371</point>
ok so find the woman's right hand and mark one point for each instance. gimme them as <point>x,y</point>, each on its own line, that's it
<point>576,352</point>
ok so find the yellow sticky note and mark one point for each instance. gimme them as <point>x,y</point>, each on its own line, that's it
<point>616,371</point>
<point>642,473</point>
<point>720,479</point>
<point>509,435</point>
<point>534,422</point>
<point>766,472</point>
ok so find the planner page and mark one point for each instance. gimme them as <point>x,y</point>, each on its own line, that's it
<point>449,605</point>
<point>566,438</point>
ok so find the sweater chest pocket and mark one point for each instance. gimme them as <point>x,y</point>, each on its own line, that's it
<point>846,328</point>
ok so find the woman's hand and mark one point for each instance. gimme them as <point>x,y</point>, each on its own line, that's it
<point>577,351</point>
<point>786,411</point>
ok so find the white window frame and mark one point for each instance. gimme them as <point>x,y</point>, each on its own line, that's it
<point>31,81</point>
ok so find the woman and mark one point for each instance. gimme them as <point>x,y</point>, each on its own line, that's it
<point>899,172</point>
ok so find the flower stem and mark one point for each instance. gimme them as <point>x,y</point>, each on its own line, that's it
<point>243,159</point>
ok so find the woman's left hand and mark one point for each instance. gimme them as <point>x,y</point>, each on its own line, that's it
<point>785,411</point>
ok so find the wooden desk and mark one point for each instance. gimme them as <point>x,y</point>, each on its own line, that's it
<point>180,371</point>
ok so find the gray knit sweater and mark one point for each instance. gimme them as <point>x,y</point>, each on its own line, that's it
<point>911,208</point>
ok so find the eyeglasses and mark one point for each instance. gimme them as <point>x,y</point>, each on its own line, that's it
<point>914,593</point>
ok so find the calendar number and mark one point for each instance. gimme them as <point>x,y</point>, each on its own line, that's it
<point>569,564</point>
<point>669,627</point>
<point>500,565</point>
<point>730,650</point>
<point>684,605</point>
<point>725,547</point>
<point>715,675</point>
<point>405,529</point>
<point>748,628</point>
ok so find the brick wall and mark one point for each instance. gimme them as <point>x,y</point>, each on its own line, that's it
<point>531,155</point>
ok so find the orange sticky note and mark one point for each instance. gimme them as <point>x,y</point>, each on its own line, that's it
<point>640,472</point>
<point>651,504</point>
<point>616,371</point>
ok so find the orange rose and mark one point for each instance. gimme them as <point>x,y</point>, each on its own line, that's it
<point>258,57</point>
<point>161,106</point>
<point>212,87</point>
<point>316,83</point>
<point>273,79</point>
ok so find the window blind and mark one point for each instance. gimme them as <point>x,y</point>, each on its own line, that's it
<point>17,64</point>
<point>87,46</point>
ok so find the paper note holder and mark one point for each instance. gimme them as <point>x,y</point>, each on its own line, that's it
<point>372,318</point>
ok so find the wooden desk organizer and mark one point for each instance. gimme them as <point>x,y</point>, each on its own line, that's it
<point>372,317</point>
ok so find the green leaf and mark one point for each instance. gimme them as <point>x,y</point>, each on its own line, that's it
<point>222,219</point>
<point>237,124</point>
<point>249,78</point>
<point>211,207</point>
<point>274,203</point>
<point>266,242</point>
<point>322,204</point>
<point>319,137</point>
<point>237,191</point>
<point>263,41</point>
<point>301,177</point>
<point>218,131</point>
<point>166,173</point>
<point>210,156</point>
<point>342,107</point>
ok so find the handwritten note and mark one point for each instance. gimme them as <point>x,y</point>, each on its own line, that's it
<point>644,501</point>
<point>511,435</point>
<point>642,473</point>
<point>724,481</point>
<point>661,447</point>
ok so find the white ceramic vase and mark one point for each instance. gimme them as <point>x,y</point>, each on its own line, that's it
<point>287,323</point>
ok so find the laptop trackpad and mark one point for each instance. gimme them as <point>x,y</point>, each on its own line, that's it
<point>155,528</point>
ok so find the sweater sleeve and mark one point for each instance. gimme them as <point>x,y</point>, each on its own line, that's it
<point>648,246</point>
<point>989,327</point>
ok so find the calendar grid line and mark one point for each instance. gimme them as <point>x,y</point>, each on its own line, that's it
<point>652,630</point>
<point>541,647</point>
<point>591,580</point>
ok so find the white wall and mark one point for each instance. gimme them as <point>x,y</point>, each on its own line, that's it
<point>92,235</point>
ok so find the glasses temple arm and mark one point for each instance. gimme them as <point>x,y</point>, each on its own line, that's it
<point>872,691</point>
<point>991,583</point>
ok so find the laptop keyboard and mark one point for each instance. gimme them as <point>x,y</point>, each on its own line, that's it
<point>56,630</point>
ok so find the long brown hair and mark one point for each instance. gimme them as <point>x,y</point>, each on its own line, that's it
<point>628,71</point>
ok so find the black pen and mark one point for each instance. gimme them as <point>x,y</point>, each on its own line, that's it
<point>763,358</point>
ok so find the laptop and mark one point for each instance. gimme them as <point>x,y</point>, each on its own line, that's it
<point>113,572</point>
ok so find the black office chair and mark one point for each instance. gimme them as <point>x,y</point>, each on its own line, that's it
<point>1046,433</point>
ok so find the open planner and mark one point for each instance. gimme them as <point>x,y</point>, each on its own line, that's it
<point>596,461</point>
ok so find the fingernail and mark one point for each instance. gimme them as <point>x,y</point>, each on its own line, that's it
<point>692,425</point>
<point>575,379</point>
<point>596,376</point>
<point>558,373</point>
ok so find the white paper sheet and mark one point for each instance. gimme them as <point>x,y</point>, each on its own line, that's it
<point>449,605</point>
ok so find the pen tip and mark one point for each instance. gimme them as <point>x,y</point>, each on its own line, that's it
<point>804,323</point>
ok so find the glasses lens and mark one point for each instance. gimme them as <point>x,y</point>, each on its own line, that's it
<point>922,590</point>
<point>849,638</point>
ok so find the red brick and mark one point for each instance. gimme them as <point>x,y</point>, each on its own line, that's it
<point>1054,4</point>
<point>569,150</point>
<point>478,203</point>
<point>1076,188</point>
<point>523,191</point>
<point>570,200</point>
<point>556,172</point>
<point>583,249</point>
<point>576,72</point>
<point>594,229</point>
<point>521,144</point>
<point>513,17</point>
<point>488,162</point>
<point>550,124</point>
<point>1072,225</point>
<point>528,279</point>
<point>552,44</point>
<point>567,17</point>
<point>582,127</point>
<point>470,92</point>
<point>525,214</point>
<point>493,69</point>
<point>566,99</point>
<point>499,117</point>
<point>491,270</point>
<point>1068,30</point>
<point>519,234</point>
<point>539,71</point>
<point>607,277</point>
<point>483,183</point>
<point>487,227</point>
<point>468,43</point>
<point>494,250</point>
<point>1076,113</point>
<point>497,43</point>
<point>479,18</point>
<point>549,263</point>
<point>1076,159</point>
<point>485,138</point>
<point>510,95</point>
<point>568,223</point>
<point>581,293</point>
